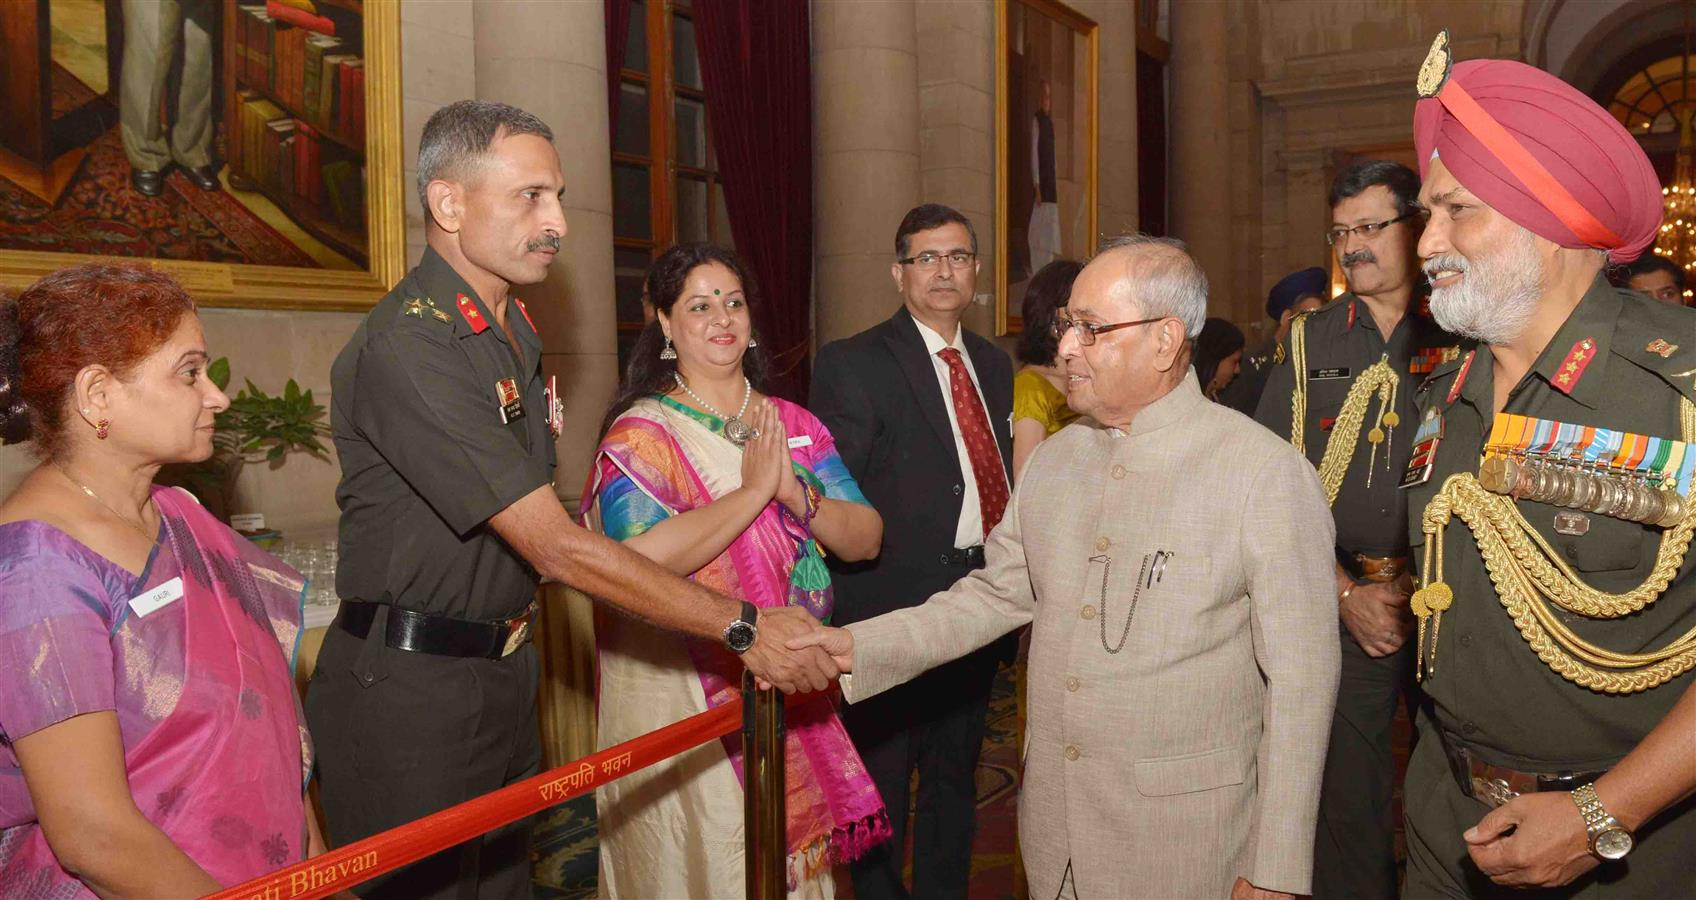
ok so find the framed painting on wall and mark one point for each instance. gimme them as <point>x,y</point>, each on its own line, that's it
<point>251,148</point>
<point>1046,61</point>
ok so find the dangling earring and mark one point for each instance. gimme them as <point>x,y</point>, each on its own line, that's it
<point>753,342</point>
<point>103,428</point>
<point>667,352</point>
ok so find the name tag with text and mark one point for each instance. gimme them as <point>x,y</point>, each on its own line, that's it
<point>800,440</point>
<point>160,597</point>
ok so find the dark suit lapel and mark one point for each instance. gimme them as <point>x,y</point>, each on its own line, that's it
<point>908,348</point>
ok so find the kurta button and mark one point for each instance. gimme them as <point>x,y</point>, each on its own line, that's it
<point>1089,612</point>
<point>1118,471</point>
<point>1466,640</point>
<point>958,490</point>
<point>1468,727</point>
<point>1103,544</point>
<point>1071,752</point>
<point>1072,684</point>
<point>943,559</point>
<point>1571,552</point>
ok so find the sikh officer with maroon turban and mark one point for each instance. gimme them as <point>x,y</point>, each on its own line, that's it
<point>1550,508</point>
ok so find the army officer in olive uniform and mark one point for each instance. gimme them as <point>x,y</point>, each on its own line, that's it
<point>1558,600</point>
<point>425,692</point>
<point>1346,382</point>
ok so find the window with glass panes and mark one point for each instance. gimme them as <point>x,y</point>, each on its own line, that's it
<point>665,186</point>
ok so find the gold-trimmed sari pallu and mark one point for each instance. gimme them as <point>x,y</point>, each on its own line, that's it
<point>1628,476</point>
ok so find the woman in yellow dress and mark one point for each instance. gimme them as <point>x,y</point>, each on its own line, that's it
<point>1039,389</point>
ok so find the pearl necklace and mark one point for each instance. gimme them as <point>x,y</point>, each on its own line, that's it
<point>736,431</point>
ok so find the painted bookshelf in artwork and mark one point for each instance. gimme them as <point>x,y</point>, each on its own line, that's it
<point>294,83</point>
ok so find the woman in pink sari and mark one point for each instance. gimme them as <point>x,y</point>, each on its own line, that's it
<point>700,472</point>
<point>151,742</point>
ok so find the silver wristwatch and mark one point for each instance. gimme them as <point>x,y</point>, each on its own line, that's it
<point>1608,839</point>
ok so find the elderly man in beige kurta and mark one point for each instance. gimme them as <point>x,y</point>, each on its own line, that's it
<point>1175,559</point>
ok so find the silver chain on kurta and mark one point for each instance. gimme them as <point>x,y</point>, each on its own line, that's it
<point>1107,567</point>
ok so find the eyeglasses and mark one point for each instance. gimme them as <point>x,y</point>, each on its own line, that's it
<point>1368,231</point>
<point>957,259</point>
<point>1088,330</point>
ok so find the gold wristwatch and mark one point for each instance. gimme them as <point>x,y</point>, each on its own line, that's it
<point>1608,839</point>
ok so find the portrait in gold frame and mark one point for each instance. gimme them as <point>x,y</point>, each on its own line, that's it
<point>373,171</point>
<point>1047,62</point>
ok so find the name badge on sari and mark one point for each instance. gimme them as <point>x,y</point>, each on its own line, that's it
<point>160,597</point>
<point>512,405</point>
<point>800,440</point>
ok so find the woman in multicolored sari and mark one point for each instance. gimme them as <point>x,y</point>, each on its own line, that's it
<point>701,472</point>
<point>151,742</point>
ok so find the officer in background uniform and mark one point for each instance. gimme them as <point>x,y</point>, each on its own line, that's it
<point>1558,600</point>
<point>1294,294</point>
<point>1345,392</point>
<point>425,691</point>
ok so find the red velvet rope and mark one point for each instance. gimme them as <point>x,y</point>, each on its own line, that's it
<point>363,860</point>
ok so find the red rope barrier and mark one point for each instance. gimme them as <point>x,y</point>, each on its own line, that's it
<point>364,860</point>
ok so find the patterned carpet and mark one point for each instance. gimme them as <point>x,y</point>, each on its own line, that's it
<point>565,847</point>
<point>100,213</point>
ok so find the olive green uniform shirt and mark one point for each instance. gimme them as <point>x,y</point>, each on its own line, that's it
<point>426,458</point>
<point>1489,689</point>
<point>1342,341</point>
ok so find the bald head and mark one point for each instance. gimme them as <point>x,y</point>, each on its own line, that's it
<point>1157,276</point>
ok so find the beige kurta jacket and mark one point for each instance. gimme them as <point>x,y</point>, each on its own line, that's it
<point>1193,755</point>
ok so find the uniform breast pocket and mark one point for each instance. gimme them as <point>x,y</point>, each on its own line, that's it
<point>1594,543</point>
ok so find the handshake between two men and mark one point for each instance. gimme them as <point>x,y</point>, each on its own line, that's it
<point>794,652</point>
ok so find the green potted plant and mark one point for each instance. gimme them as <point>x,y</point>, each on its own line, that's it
<point>258,427</point>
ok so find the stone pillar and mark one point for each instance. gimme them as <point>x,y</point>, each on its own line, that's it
<point>865,157</point>
<point>550,59</point>
<point>1200,148</point>
<point>956,90</point>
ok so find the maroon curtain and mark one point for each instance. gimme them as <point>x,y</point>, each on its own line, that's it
<point>618,34</point>
<point>755,69</point>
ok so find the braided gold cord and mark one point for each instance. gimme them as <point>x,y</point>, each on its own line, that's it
<point>1525,569</point>
<point>1298,397</point>
<point>1378,378</point>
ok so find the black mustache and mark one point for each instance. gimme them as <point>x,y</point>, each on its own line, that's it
<point>545,242</point>
<point>1358,256</point>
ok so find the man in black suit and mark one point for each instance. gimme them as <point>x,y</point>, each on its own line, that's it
<point>920,410</point>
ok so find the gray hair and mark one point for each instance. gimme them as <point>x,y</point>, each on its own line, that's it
<point>1166,279</point>
<point>457,135</point>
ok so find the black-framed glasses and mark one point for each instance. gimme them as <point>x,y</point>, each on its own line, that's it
<point>957,259</point>
<point>1370,230</point>
<point>1088,330</point>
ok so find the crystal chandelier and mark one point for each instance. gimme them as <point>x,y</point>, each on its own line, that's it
<point>1677,240</point>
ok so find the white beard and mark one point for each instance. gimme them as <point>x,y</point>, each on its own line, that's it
<point>1496,296</point>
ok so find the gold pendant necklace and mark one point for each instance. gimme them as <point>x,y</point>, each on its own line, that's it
<point>140,529</point>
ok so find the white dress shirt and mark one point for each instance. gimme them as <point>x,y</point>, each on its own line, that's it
<point>968,532</point>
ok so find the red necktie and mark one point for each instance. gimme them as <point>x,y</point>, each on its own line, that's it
<point>980,441</point>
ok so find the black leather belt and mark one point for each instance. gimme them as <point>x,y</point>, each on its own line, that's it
<point>417,632</point>
<point>1495,785</point>
<point>971,557</point>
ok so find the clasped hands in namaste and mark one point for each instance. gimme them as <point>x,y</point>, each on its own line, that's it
<point>792,651</point>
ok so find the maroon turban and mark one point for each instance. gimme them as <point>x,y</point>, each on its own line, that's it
<point>1543,154</point>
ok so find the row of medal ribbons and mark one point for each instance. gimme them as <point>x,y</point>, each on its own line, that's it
<point>1613,473</point>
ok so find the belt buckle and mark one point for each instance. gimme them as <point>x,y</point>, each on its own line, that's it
<point>1492,792</point>
<point>518,631</point>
